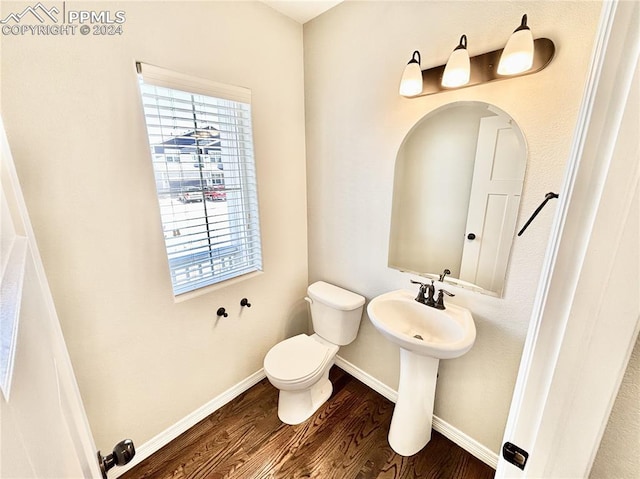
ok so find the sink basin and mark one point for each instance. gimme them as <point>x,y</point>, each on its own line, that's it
<point>425,336</point>
<point>427,331</point>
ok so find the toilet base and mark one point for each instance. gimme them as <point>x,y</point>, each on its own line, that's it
<point>295,407</point>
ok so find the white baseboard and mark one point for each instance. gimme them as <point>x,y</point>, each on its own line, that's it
<point>373,383</point>
<point>467,443</point>
<point>169,434</point>
<point>165,437</point>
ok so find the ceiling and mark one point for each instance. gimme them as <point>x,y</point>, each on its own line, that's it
<point>302,10</point>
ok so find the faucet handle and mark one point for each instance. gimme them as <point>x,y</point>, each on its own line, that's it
<point>423,289</point>
<point>440,300</point>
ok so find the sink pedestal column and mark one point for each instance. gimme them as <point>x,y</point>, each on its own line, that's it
<point>410,427</point>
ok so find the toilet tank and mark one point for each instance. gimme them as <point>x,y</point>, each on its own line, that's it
<point>335,312</point>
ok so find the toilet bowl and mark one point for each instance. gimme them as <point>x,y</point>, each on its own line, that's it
<point>299,366</point>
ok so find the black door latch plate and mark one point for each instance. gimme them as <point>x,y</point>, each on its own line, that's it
<point>515,455</point>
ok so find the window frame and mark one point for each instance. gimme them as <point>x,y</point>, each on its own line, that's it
<point>216,255</point>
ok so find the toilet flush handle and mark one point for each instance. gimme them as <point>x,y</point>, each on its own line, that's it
<point>308,300</point>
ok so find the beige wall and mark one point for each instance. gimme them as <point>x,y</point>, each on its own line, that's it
<point>73,117</point>
<point>355,123</point>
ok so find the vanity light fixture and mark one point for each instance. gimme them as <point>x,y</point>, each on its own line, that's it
<point>411,83</point>
<point>522,55</point>
<point>458,68</point>
<point>517,56</point>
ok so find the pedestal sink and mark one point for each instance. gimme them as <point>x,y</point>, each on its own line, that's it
<point>425,335</point>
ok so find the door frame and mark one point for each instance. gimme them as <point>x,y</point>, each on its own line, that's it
<point>586,318</point>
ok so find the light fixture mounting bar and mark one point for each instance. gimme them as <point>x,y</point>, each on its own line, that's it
<point>484,68</point>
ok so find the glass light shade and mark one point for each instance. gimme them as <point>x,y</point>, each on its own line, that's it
<point>411,82</point>
<point>517,56</point>
<point>458,68</point>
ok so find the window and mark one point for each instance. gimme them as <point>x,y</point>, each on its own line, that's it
<point>209,209</point>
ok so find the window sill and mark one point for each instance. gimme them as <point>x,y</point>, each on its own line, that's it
<point>214,287</point>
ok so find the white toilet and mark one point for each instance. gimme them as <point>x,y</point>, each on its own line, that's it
<point>299,366</point>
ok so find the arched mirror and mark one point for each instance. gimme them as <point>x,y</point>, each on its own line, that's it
<point>457,186</point>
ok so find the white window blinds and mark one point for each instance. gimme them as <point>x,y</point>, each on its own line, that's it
<point>202,153</point>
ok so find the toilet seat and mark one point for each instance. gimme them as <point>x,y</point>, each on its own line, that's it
<point>296,359</point>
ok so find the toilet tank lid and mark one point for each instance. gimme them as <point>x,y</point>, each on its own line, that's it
<point>334,296</point>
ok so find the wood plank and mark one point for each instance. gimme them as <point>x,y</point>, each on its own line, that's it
<point>345,439</point>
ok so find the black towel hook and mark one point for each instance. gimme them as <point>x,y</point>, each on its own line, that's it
<point>547,197</point>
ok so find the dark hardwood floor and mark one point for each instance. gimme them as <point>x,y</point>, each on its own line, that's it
<point>345,439</point>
